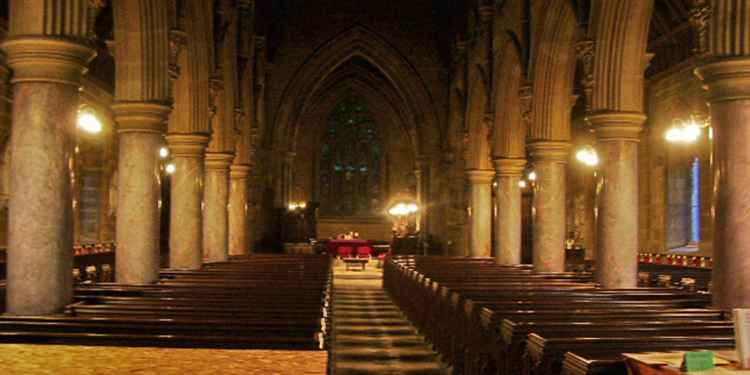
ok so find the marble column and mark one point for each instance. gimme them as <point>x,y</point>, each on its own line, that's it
<point>548,208</point>
<point>480,222</point>
<point>508,223</point>
<point>47,75</point>
<point>728,83</point>
<point>617,211</point>
<point>238,228</point>
<point>140,126</point>
<point>186,199</point>
<point>215,215</point>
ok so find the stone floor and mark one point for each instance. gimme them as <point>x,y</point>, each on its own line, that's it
<point>370,334</point>
<point>85,360</point>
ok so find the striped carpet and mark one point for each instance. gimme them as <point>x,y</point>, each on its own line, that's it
<point>370,334</point>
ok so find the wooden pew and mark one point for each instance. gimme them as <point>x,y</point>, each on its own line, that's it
<point>481,296</point>
<point>545,355</point>
<point>271,302</point>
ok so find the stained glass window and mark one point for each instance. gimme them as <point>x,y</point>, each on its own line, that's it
<point>350,161</point>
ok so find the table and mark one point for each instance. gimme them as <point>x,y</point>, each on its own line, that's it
<point>351,262</point>
<point>637,366</point>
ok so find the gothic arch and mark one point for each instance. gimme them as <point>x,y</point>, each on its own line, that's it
<point>509,127</point>
<point>552,72</point>
<point>360,42</point>
<point>373,88</point>
<point>621,30</point>
<point>478,148</point>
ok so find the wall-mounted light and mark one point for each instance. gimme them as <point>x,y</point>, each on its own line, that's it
<point>688,131</point>
<point>163,152</point>
<point>522,184</point>
<point>531,176</point>
<point>403,209</point>
<point>88,122</point>
<point>170,168</point>
<point>293,206</point>
<point>588,156</point>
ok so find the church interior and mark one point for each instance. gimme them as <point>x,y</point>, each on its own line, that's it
<point>477,187</point>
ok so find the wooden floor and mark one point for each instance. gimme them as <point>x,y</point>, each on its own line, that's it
<point>83,360</point>
<point>370,334</point>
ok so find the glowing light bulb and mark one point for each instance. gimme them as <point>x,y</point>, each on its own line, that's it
<point>170,168</point>
<point>522,184</point>
<point>163,152</point>
<point>532,176</point>
<point>588,156</point>
<point>412,207</point>
<point>89,123</point>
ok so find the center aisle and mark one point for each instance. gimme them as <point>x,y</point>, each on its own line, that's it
<point>370,334</point>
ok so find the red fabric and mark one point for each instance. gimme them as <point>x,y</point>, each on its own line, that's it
<point>364,251</point>
<point>345,251</point>
<point>334,246</point>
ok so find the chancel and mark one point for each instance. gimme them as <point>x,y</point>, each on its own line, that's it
<point>476,187</point>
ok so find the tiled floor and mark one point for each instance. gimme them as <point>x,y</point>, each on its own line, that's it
<point>370,334</point>
<point>85,360</point>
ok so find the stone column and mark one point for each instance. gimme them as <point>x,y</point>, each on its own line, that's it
<point>728,83</point>
<point>216,197</point>
<point>423,177</point>
<point>480,222</point>
<point>238,210</point>
<point>186,216</point>
<point>550,159</point>
<point>418,182</point>
<point>617,211</point>
<point>288,178</point>
<point>47,75</point>
<point>140,126</point>
<point>508,223</point>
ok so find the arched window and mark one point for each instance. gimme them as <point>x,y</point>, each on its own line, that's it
<point>350,161</point>
<point>684,208</point>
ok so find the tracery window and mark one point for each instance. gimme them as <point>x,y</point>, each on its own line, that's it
<point>350,161</point>
<point>684,209</point>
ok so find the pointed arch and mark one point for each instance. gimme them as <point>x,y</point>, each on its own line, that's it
<point>621,29</point>
<point>357,41</point>
<point>509,128</point>
<point>478,148</point>
<point>553,71</point>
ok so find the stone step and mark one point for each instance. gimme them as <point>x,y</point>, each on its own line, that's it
<point>388,368</point>
<point>370,308</point>
<point>342,322</point>
<point>401,341</point>
<point>380,354</point>
<point>367,315</point>
<point>374,330</point>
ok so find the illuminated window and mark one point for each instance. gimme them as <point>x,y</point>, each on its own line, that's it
<point>350,161</point>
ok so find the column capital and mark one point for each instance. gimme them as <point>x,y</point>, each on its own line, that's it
<point>727,79</point>
<point>140,117</point>
<point>187,145</point>
<point>509,167</point>
<point>239,171</point>
<point>480,176</point>
<point>47,59</point>
<point>616,125</point>
<point>218,160</point>
<point>555,151</point>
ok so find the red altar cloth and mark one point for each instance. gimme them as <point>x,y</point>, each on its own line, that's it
<point>333,245</point>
